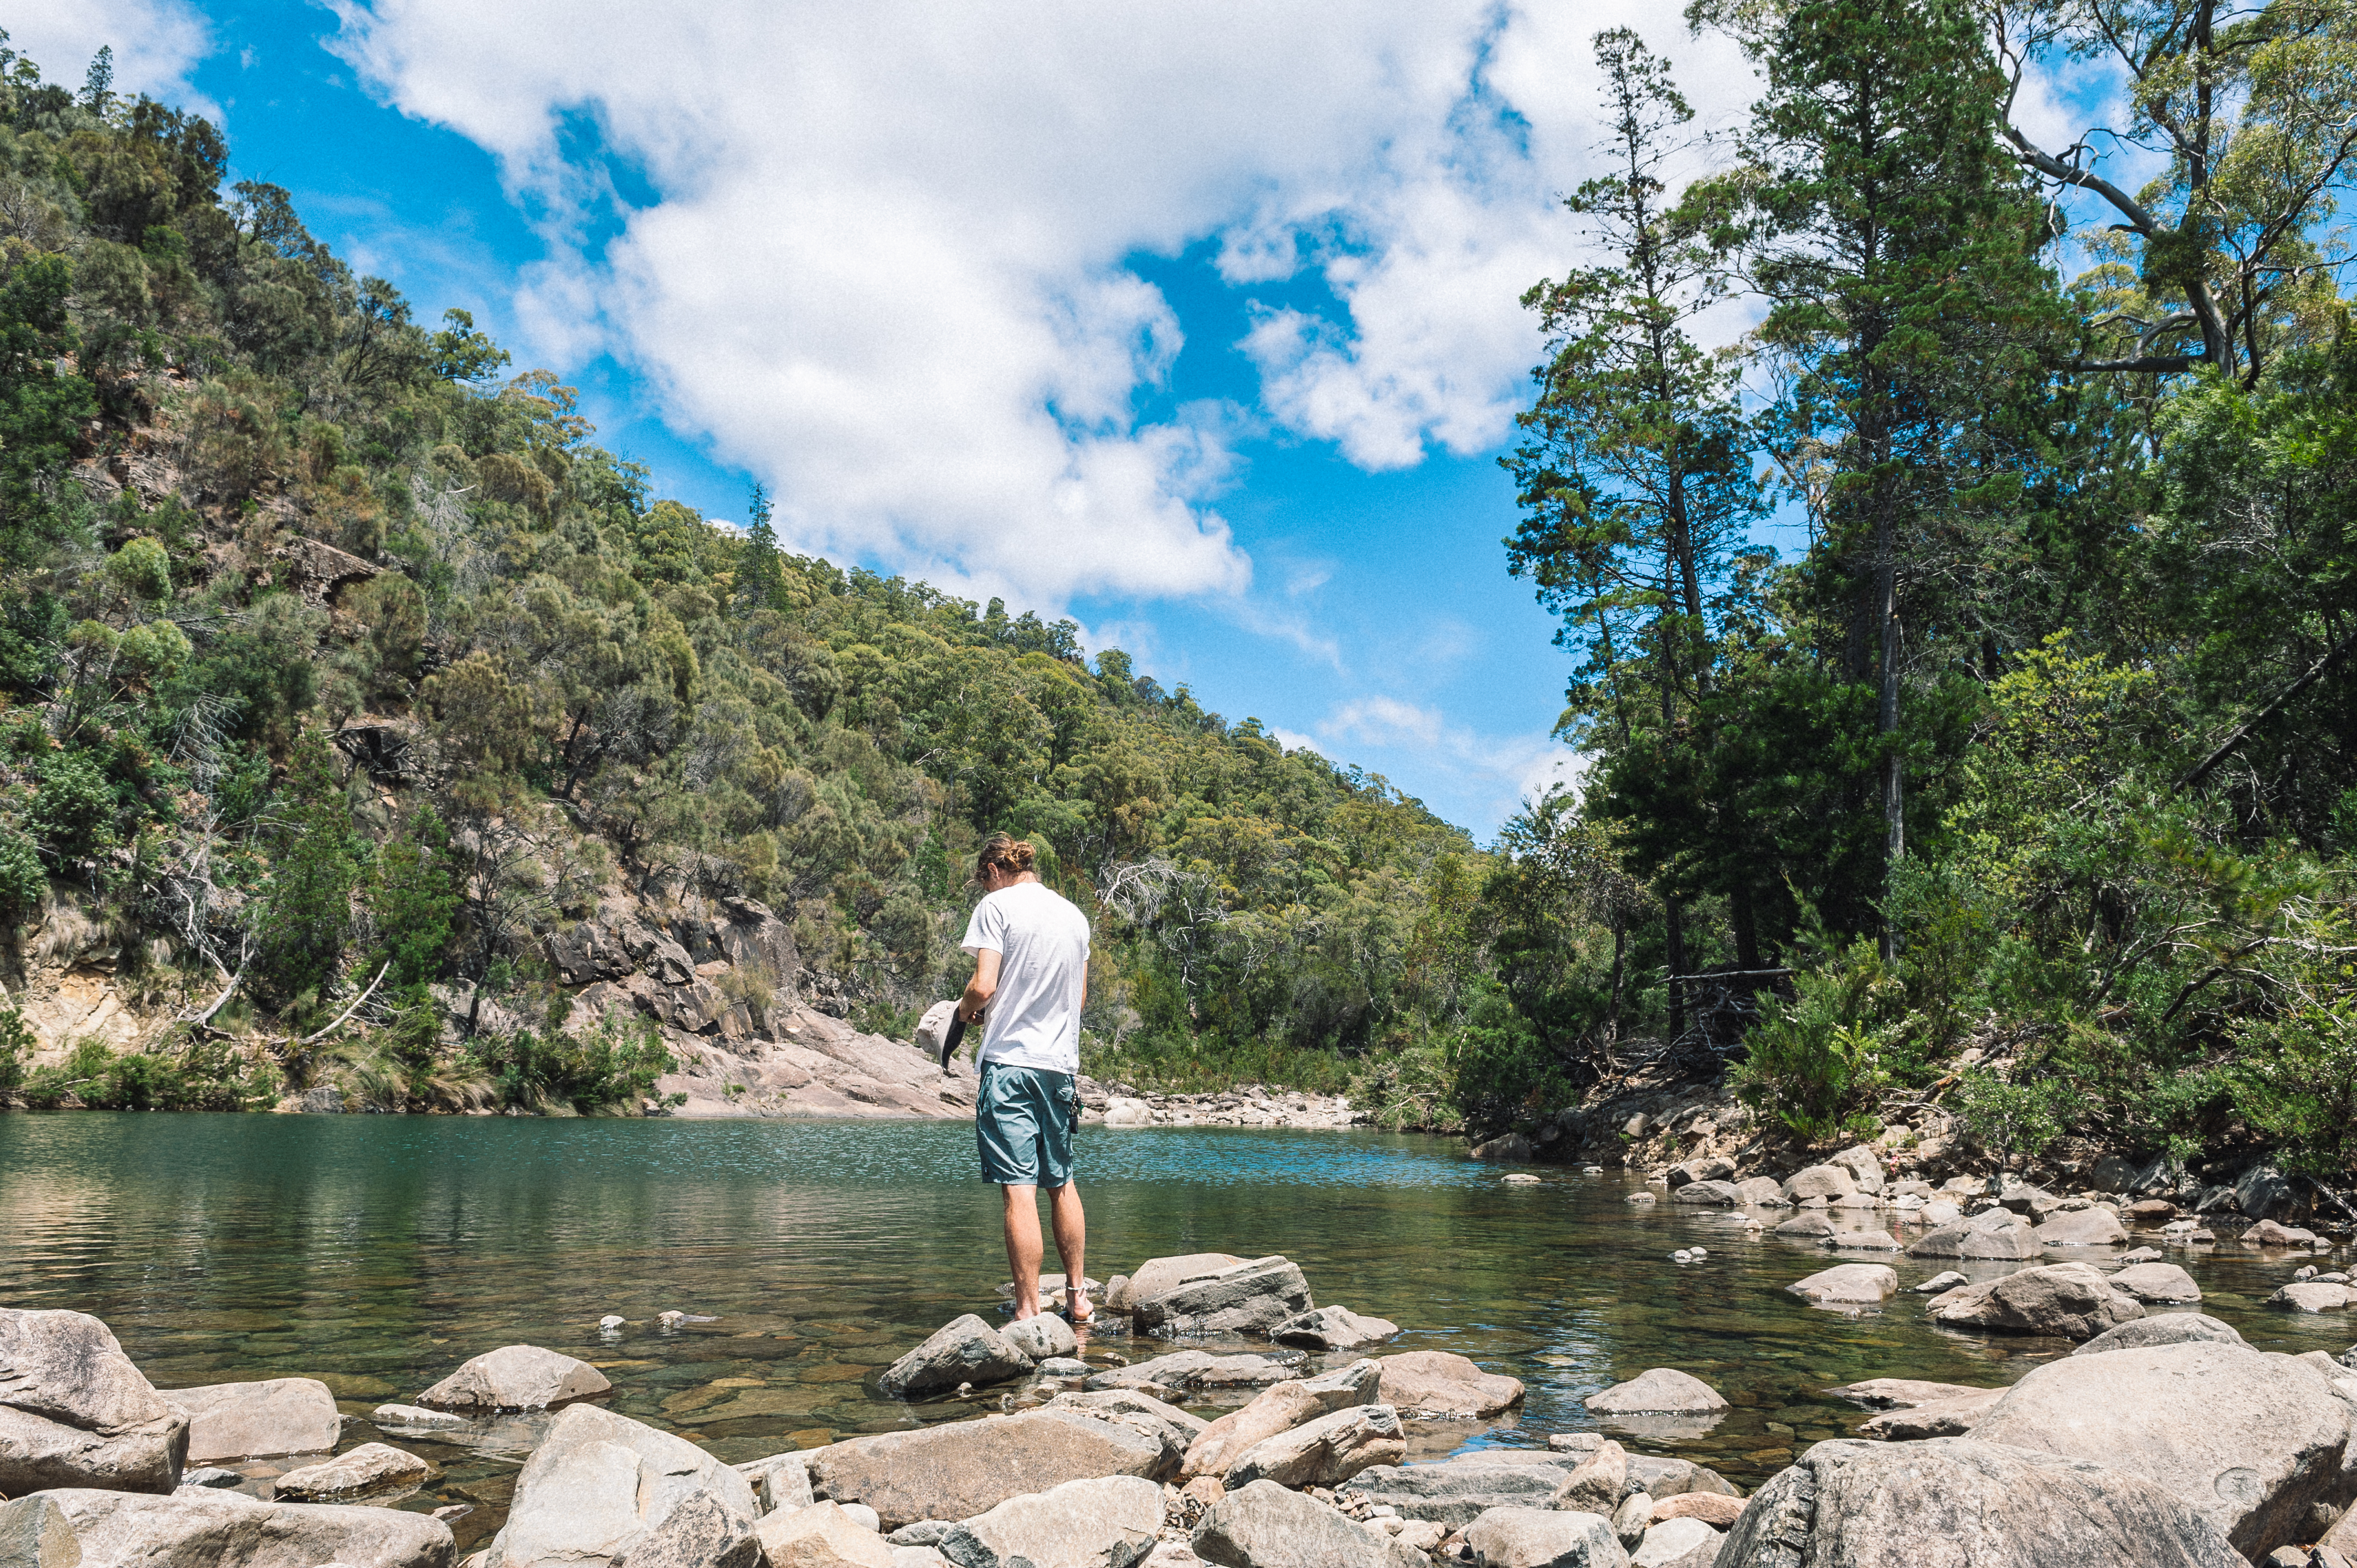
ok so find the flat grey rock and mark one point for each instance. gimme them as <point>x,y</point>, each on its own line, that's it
<point>1961,1500</point>
<point>1249,1298</point>
<point>1332,1328</point>
<point>2157,1284</point>
<point>1709,1195</point>
<point>230,1530</point>
<point>1847,1285</point>
<point>2068,1300</point>
<point>968,1467</point>
<point>1325,1452</point>
<point>1515,1537</point>
<point>1193,1369</point>
<point>1041,1337</point>
<point>1661,1391</point>
<point>250,1421</point>
<point>1439,1382</point>
<point>1107,1522</point>
<point>375,1470</point>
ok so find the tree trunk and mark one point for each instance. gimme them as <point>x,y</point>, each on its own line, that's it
<point>1894,814</point>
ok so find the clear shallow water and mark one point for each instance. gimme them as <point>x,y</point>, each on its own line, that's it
<point>377,1253</point>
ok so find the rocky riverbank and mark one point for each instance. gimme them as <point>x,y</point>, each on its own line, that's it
<point>1215,1411</point>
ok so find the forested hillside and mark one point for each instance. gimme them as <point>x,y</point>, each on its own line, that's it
<point>2029,790</point>
<point>345,674</point>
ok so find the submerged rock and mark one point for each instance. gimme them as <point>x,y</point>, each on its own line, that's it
<point>1961,1500</point>
<point>603,1489</point>
<point>1436,1382</point>
<point>230,1530</point>
<point>516,1376</point>
<point>247,1421</point>
<point>962,1350</point>
<point>74,1412</point>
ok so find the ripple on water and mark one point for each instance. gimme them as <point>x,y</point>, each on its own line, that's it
<point>379,1252</point>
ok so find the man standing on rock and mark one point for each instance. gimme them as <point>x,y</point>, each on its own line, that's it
<point>1030,950</point>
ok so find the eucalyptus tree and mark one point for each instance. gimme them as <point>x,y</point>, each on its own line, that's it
<point>1895,247</point>
<point>1634,473</point>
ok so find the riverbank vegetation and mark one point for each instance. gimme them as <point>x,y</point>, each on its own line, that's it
<point>2030,784</point>
<point>342,666</point>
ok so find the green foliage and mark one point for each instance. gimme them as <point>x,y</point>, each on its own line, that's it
<point>22,879</point>
<point>299,946</point>
<point>2295,1081</point>
<point>2012,1117</point>
<point>16,1045</point>
<point>414,897</point>
<point>612,1068</point>
<point>1820,1064</point>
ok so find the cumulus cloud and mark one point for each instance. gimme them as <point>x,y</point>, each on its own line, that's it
<point>880,252</point>
<point>157,43</point>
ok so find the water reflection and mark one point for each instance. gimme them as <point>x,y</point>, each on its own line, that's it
<point>379,1252</point>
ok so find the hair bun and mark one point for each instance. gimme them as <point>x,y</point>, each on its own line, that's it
<point>1013,854</point>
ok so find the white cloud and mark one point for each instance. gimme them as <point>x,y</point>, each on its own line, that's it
<point>156,44</point>
<point>887,266</point>
<point>1491,774</point>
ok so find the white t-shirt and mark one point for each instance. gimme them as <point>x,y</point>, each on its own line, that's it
<point>1042,942</point>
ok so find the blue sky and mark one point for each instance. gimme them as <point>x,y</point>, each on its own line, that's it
<point>1202,330</point>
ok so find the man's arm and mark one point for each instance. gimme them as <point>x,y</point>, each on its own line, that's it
<point>981,987</point>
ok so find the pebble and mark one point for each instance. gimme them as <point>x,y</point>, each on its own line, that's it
<point>1591,1170</point>
<point>211,1475</point>
<point>1520,1179</point>
<point>610,1322</point>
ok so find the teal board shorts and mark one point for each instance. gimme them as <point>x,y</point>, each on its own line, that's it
<point>1023,1122</point>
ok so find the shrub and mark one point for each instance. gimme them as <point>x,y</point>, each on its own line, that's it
<point>607,1069</point>
<point>16,1045</point>
<point>2013,1117</point>
<point>1819,1064</point>
<point>2296,1079</point>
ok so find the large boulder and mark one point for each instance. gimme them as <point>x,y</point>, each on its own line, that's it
<point>74,1412</point>
<point>1108,1522</point>
<point>962,1350</point>
<point>2167,1328</point>
<point>2265,1193</point>
<point>1247,1298</point>
<point>603,1489</point>
<point>1542,1538</point>
<point>228,1529</point>
<point>35,1533</point>
<point>965,1468</point>
<point>1809,1225</point>
<point>1656,1478</point>
<point>1325,1452</point>
<point>2157,1284</point>
<point>1279,1409</point>
<point>2065,1300</point>
<point>1847,1284</point>
<point>375,1470</point>
<point>1903,1394</point>
<point>1709,1195</point>
<point>1265,1526</point>
<point>516,1376</point>
<point>1454,1494</point>
<point>1963,1501</point>
<point>1681,1542</point>
<point>1662,1390</point>
<point>824,1535</point>
<point>1597,1482</point>
<point>1437,1382</point>
<point>1820,1181</point>
<point>1157,1276</point>
<point>1332,1328</point>
<point>1951,1417</point>
<point>2257,1443</point>
<point>1195,1369</point>
<point>1864,1168</point>
<point>2081,1227</point>
<point>2312,1296</point>
<point>1710,1167</point>
<point>1760,1191</point>
<point>248,1421</point>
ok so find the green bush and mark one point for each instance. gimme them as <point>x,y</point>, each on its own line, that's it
<point>2009,1117</point>
<point>610,1070</point>
<point>16,1045</point>
<point>22,878</point>
<point>2296,1079</point>
<point>1820,1063</point>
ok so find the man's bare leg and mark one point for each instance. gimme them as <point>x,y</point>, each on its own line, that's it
<point>1071,1246</point>
<point>1023,1245</point>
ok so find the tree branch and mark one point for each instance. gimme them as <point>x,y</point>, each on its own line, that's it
<point>2225,748</point>
<point>2165,364</point>
<point>310,1039</point>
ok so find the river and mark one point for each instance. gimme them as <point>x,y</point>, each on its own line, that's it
<point>378,1252</point>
